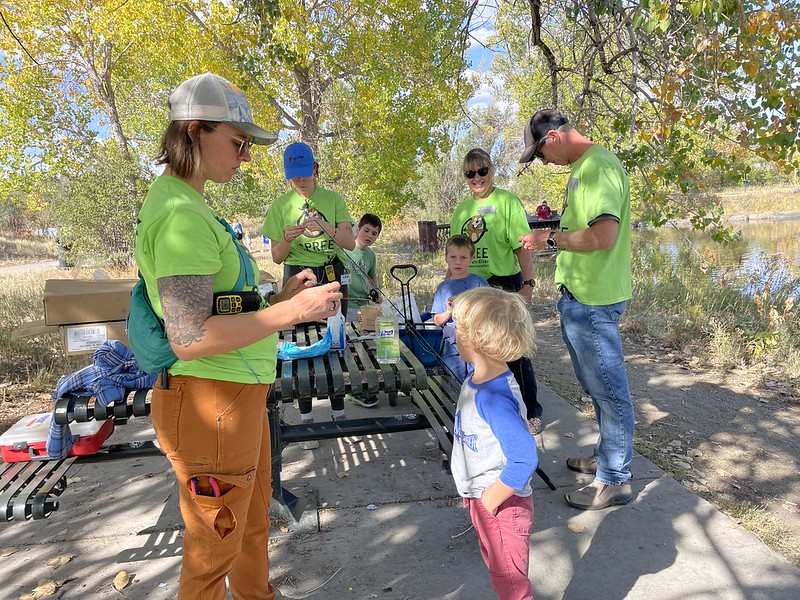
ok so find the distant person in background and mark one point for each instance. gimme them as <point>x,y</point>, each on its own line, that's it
<point>309,227</point>
<point>248,241</point>
<point>494,219</point>
<point>237,229</point>
<point>593,274</point>
<point>543,211</point>
<point>264,243</point>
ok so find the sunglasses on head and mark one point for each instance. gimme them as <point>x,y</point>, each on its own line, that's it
<point>470,174</point>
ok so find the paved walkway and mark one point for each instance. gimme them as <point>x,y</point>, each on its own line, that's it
<point>391,528</point>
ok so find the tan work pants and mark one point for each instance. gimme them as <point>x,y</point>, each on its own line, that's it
<point>219,429</point>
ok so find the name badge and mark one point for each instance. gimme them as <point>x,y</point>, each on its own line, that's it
<point>487,210</point>
<point>572,184</point>
<point>345,278</point>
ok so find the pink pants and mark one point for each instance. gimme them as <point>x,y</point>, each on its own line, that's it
<point>218,429</point>
<point>503,540</point>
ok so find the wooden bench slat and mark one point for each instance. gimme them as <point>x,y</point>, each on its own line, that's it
<point>367,368</point>
<point>420,374</point>
<point>337,377</point>
<point>303,374</point>
<point>320,374</point>
<point>286,394</point>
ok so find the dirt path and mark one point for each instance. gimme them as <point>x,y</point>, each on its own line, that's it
<point>732,434</point>
<point>28,267</point>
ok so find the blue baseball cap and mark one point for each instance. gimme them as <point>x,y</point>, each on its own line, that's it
<point>298,160</point>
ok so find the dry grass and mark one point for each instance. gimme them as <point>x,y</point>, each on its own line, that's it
<point>772,199</point>
<point>15,249</point>
<point>764,525</point>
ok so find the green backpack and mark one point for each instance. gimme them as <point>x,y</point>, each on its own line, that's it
<point>146,331</point>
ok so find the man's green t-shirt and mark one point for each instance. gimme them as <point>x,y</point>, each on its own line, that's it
<point>598,188</point>
<point>494,224</point>
<point>359,262</point>
<point>177,234</point>
<point>292,209</point>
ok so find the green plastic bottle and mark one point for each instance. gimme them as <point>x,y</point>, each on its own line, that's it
<point>387,338</point>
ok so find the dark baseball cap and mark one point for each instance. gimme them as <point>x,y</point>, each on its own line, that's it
<point>536,130</point>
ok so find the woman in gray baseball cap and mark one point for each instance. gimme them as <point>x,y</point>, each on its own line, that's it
<point>209,406</point>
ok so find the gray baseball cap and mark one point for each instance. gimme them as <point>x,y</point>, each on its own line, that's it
<point>209,97</point>
<point>537,128</point>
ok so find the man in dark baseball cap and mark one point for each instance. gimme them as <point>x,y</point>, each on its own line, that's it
<point>536,132</point>
<point>593,274</point>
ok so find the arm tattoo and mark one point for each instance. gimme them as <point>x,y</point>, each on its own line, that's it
<point>186,301</point>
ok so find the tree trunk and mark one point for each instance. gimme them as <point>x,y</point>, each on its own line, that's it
<point>309,107</point>
<point>536,39</point>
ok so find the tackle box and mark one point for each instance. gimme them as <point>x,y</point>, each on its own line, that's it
<point>27,438</point>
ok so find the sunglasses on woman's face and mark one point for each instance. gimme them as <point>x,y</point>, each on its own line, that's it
<point>483,172</point>
<point>242,145</point>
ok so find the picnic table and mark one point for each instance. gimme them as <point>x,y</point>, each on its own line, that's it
<point>353,370</point>
<point>31,490</point>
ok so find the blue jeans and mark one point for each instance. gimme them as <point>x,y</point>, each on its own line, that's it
<point>595,345</point>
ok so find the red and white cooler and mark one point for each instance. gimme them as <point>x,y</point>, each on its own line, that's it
<point>27,438</point>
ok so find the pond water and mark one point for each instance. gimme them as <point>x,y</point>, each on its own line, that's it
<point>768,254</point>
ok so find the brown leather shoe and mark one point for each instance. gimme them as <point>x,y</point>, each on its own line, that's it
<point>597,496</point>
<point>584,464</point>
<point>536,424</point>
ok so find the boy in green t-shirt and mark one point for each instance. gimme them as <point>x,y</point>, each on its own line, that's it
<point>362,266</point>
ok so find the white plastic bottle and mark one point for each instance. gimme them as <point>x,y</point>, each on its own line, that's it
<point>336,327</point>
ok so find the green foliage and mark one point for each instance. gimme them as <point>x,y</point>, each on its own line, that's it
<point>97,208</point>
<point>366,84</point>
<point>690,94</point>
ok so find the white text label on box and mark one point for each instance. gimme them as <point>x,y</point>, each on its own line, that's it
<point>86,338</point>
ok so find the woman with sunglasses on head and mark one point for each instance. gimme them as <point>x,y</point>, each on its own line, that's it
<point>308,228</point>
<point>209,407</point>
<point>493,219</point>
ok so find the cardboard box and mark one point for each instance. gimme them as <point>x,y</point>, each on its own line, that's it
<point>31,329</point>
<point>27,438</point>
<point>369,312</point>
<point>267,282</point>
<point>85,338</point>
<point>70,301</point>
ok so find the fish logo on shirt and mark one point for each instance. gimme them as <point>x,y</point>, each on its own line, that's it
<point>469,440</point>
<point>474,228</point>
<point>310,212</point>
